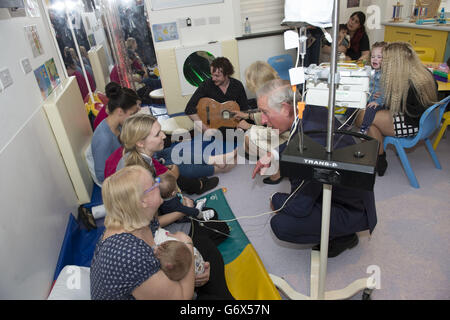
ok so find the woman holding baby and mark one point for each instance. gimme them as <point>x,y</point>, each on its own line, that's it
<point>125,265</point>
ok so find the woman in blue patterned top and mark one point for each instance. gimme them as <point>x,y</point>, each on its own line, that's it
<point>124,265</point>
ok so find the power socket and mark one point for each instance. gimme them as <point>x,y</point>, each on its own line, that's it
<point>5,78</point>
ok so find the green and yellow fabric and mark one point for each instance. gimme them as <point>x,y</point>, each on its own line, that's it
<point>246,276</point>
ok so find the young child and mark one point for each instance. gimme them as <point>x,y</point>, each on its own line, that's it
<point>343,44</point>
<point>344,38</point>
<point>375,101</point>
<point>173,200</point>
<point>175,257</point>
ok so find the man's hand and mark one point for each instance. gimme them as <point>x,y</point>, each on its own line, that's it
<point>244,125</point>
<point>239,115</point>
<point>262,165</point>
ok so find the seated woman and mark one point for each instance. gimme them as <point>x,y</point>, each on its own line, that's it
<point>359,41</point>
<point>409,89</point>
<point>133,137</point>
<point>122,103</point>
<point>132,200</point>
<point>141,137</point>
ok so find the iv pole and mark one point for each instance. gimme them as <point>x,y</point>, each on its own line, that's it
<point>319,259</point>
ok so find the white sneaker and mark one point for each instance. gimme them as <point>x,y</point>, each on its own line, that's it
<point>200,204</point>
<point>206,215</point>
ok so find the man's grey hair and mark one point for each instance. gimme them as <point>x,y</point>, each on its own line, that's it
<point>277,91</point>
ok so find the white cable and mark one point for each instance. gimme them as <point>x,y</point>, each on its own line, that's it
<point>347,120</point>
<point>258,215</point>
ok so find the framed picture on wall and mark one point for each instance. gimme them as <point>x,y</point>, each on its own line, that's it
<point>352,3</point>
<point>168,4</point>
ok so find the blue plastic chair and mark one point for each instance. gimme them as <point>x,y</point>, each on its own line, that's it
<point>429,122</point>
<point>282,64</point>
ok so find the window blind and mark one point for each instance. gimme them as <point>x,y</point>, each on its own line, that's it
<point>264,15</point>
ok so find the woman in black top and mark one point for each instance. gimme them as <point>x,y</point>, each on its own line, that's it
<point>359,41</point>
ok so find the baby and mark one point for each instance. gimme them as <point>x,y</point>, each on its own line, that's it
<point>175,257</point>
<point>375,101</point>
<point>173,200</point>
<point>343,44</point>
<point>343,38</point>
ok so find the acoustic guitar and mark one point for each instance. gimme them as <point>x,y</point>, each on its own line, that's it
<point>215,114</point>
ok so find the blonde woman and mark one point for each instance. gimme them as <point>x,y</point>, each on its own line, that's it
<point>141,137</point>
<point>409,89</point>
<point>124,266</point>
<point>257,136</point>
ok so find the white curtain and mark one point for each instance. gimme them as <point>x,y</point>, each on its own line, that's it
<point>315,12</point>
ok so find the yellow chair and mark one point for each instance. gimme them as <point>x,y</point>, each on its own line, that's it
<point>425,54</point>
<point>446,116</point>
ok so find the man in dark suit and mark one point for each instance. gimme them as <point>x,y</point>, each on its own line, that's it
<point>352,210</point>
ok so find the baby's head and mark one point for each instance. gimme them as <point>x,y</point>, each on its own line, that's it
<point>175,259</point>
<point>376,55</point>
<point>168,186</point>
<point>343,30</point>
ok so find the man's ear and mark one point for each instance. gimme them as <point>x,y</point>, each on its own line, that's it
<point>286,109</point>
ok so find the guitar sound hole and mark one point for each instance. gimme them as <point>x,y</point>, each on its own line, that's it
<point>226,115</point>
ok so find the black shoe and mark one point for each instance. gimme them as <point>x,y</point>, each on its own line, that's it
<point>208,184</point>
<point>339,245</point>
<point>270,181</point>
<point>381,164</point>
<point>86,217</point>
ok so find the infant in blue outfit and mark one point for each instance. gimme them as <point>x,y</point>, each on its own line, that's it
<point>174,200</point>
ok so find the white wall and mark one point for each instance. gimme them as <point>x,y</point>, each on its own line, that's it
<point>36,194</point>
<point>197,34</point>
<point>229,28</point>
<point>251,50</point>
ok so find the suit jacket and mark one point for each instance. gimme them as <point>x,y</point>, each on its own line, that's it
<point>347,205</point>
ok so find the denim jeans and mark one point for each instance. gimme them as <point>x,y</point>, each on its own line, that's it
<point>191,156</point>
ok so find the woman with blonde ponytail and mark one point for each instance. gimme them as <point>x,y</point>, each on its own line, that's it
<point>141,137</point>
<point>409,89</point>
